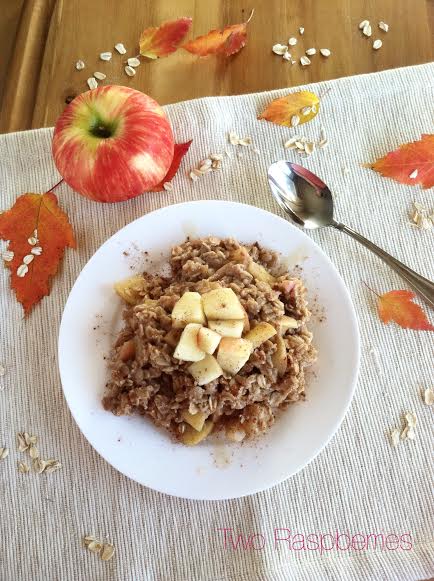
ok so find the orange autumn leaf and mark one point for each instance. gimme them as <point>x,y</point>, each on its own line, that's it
<point>292,110</point>
<point>412,163</point>
<point>398,306</point>
<point>160,42</point>
<point>38,231</point>
<point>227,41</point>
<point>179,152</point>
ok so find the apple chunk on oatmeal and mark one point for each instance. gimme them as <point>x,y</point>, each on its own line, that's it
<point>220,345</point>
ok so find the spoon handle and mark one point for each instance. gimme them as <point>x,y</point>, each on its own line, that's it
<point>420,284</point>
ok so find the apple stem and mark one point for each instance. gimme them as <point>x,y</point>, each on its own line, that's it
<point>368,287</point>
<point>55,186</point>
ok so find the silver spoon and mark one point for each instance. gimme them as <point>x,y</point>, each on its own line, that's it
<point>309,203</point>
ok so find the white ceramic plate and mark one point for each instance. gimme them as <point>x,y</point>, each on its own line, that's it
<point>211,470</point>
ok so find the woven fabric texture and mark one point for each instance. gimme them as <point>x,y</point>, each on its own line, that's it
<point>359,484</point>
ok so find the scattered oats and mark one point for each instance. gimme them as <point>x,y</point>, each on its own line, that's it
<point>367,30</point>
<point>290,144</point>
<point>79,65</point>
<point>216,164</point>
<point>419,217</point>
<point>313,108</point>
<point>325,52</point>
<point>197,172</point>
<point>287,56</point>
<point>292,41</point>
<point>295,120</point>
<point>204,165</point>
<point>301,30</point>
<point>413,174</point>
<point>22,444</point>
<point>306,110</point>
<point>377,44</point>
<point>293,62</point>
<point>30,440</point>
<point>216,156</point>
<point>28,258</point>
<point>363,24</point>
<point>35,233</point>
<point>411,434</point>
<point>8,255</point>
<point>311,51</point>
<point>193,176</point>
<point>88,539</point>
<point>428,396</point>
<point>52,465</point>
<point>130,71</point>
<point>4,453</point>
<point>2,370</point>
<point>309,148</point>
<point>39,465</point>
<point>22,270</point>
<point>411,419</point>
<point>193,409</point>
<point>279,49</point>
<point>33,452</point>
<point>94,546</point>
<point>394,436</point>
<point>22,467</point>
<point>133,62</point>
<point>299,145</point>
<point>233,138</point>
<point>32,241</point>
<point>107,552</point>
<point>323,143</point>
<point>168,186</point>
<point>305,61</point>
<point>245,141</point>
<point>37,250</point>
<point>212,402</point>
<point>120,48</point>
<point>383,26</point>
<point>99,76</point>
<point>105,56</point>
<point>404,433</point>
<point>92,83</point>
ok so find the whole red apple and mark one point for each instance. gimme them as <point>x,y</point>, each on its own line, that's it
<point>112,143</point>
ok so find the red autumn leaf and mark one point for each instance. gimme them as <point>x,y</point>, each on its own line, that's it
<point>38,231</point>
<point>179,152</point>
<point>228,41</point>
<point>398,306</point>
<point>412,163</point>
<point>162,41</point>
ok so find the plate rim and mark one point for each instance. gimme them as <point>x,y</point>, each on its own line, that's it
<point>351,387</point>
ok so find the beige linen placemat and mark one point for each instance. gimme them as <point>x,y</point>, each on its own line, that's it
<point>358,485</point>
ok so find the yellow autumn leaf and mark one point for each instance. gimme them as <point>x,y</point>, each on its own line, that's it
<point>292,110</point>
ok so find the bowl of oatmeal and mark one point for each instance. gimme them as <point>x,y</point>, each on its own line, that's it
<point>209,350</point>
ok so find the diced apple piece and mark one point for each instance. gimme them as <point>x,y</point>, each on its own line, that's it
<point>227,328</point>
<point>260,334</point>
<point>222,303</point>
<point>129,289</point>
<point>206,370</point>
<point>127,350</point>
<point>240,255</point>
<point>287,323</point>
<point>279,357</point>
<point>188,310</point>
<point>233,354</point>
<point>259,272</point>
<point>208,340</point>
<point>191,437</point>
<point>196,421</point>
<point>187,348</point>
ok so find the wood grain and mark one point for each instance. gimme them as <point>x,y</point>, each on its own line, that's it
<point>54,34</point>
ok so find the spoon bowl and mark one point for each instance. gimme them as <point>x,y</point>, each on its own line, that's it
<point>301,194</point>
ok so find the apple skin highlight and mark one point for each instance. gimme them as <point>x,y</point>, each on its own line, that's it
<point>112,144</point>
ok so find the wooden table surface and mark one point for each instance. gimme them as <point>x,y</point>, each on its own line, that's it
<point>40,41</point>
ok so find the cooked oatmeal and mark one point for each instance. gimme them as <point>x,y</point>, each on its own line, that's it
<point>240,326</point>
